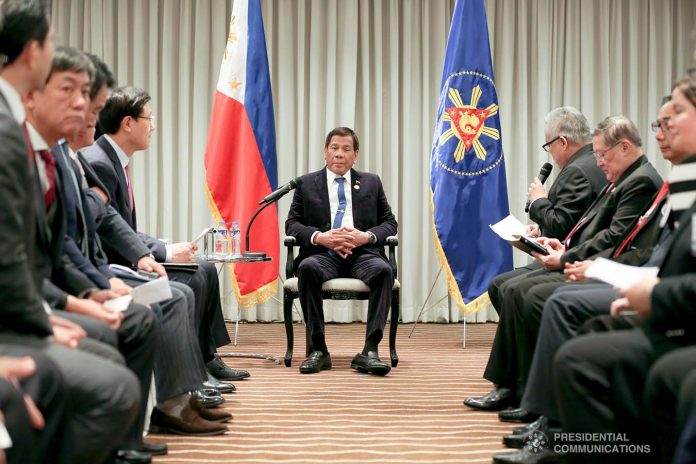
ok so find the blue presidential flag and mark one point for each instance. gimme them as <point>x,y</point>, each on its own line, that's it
<point>467,167</point>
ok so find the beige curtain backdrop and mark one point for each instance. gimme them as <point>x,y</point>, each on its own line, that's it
<point>375,65</point>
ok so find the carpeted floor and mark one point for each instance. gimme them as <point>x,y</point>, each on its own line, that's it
<point>415,414</point>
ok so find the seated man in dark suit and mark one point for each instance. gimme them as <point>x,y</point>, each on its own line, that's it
<point>128,122</point>
<point>341,219</point>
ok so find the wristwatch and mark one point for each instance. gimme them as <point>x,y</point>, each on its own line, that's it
<point>372,238</point>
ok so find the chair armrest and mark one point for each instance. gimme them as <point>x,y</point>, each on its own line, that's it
<point>392,243</point>
<point>290,245</point>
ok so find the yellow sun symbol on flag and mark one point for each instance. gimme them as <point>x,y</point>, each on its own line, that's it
<point>467,123</point>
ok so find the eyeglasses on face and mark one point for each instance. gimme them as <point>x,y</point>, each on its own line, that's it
<point>151,118</point>
<point>600,156</point>
<point>547,146</point>
<point>659,124</point>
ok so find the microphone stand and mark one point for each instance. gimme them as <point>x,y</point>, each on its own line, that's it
<point>254,254</point>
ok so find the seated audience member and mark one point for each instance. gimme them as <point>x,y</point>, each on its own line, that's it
<point>128,122</point>
<point>633,183</point>
<point>103,396</point>
<point>568,141</point>
<point>600,378</point>
<point>341,219</point>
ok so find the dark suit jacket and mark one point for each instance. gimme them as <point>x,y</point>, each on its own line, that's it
<point>21,309</point>
<point>672,321</point>
<point>613,213</point>
<point>311,212</point>
<point>574,190</point>
<point>104,160</point>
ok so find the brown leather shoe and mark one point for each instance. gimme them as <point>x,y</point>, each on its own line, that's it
<point>209,414</point>
<point>189,422</point>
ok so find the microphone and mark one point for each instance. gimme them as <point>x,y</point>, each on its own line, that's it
<point>271,197</point>
<point>543,175</point>
<point>267,201</point>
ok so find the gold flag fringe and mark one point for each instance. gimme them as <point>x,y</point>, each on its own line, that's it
<point>473,306</point>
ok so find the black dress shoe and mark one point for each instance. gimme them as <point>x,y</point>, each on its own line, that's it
<point>540,426</point>
<point>132,457</point>
<point>222,371</point>
<point>317,361</point>
<point>517,415</point>
<point>529,455</point>
<point>221,387</point>
<point>531,426</point>
<point>209,401</point>
<point>188,422</point>
<point>370,363</point>
<point>495,400</point>
<point>154,449</point>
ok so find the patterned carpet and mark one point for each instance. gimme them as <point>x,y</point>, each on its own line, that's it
<point>413,415</point>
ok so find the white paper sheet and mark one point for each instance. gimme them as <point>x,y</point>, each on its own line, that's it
<point>509,228</point>
<point>619,275</point>
<point>200,236</point>
<point>152,292</point>
<point>119,304</point>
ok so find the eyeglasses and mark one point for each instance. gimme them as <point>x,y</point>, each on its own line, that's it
<point>547,146</point>
<point>600,156</point>
<point>659,124</point>
<point>151,118</point>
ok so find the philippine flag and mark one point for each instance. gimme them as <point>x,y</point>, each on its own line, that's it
<point>240,157</point>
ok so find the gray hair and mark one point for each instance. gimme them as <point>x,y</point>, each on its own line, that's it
<point>613,129</point>
<point>570,123</point>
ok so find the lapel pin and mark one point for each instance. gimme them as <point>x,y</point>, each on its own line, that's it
<point>357,185</point>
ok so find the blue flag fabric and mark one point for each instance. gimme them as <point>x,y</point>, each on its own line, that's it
<point>467,168</point>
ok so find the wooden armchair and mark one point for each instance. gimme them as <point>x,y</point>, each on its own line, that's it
<point>337,289</point>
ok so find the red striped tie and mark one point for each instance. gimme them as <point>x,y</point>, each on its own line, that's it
<point>50,163</point>
<point>130,188</point>
<point>583,220</point>
<point>643,219</point>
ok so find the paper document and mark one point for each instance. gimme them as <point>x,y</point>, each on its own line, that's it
<point>119,304</point>
<point>515,233</point>
<point>152,292</point>
<point>200,236</point>
<point>618,275</point>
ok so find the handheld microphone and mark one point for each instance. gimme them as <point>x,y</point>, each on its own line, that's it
<point>276,195</point>
<point>543,175</point>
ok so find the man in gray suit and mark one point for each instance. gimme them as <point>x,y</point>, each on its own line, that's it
<point>103,395</point>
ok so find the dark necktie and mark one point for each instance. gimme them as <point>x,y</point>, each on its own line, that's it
<point>30,150</point>
<point>341,211</point>
<point>130,188</point>
<point>50,163</point>
<point>583,220</point>
<point>642,220</point>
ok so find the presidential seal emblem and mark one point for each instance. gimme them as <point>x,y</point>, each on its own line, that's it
<point>468,130</point>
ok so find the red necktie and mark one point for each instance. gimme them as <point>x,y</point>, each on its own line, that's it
<point>582,220</point>
<point>50,163</point>
<point>642,220</point>
<point>130,188</point>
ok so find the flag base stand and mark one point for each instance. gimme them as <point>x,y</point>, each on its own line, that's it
<point>254,255</point>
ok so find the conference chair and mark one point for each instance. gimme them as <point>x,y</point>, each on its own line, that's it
<point>337,289</point>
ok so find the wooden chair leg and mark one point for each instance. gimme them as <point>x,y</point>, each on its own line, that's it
<point>289,333</point>
<point>393,325</point>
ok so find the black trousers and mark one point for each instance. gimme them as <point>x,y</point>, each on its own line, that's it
<point>209,321</point>
<point>599,387</point>
<point>46,389</point>
<point>513,346</point>
<point>372,269</point>
<point>670,395</point>
<point>568,308</point>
